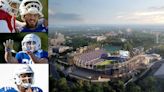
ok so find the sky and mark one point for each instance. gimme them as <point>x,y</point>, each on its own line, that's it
<point>68,12</point>
<point>40,70</point>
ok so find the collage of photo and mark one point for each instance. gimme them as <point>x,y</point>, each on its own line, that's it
<point>24,46</point>
<point>81,45</point>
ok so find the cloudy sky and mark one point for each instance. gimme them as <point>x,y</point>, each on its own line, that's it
<point>66,12</point>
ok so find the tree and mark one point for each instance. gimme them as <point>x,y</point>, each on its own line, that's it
<point>52,84</point>
<point>62,85</point>
<point>117,85</point>
<point>97,87</point>
<point>148,84</point>
<point>107,88</point>
<point>131,87</point>
<point>87,86</point>
<point>127,46</point>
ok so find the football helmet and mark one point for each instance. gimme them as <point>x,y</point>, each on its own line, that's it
<point>4,5</point>
<point>14,4</point>
<point>30,6</point>
<point>23,76</point>
<point>10,6</point>
<point>31,42</point>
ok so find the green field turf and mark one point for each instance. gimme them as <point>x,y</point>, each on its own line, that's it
<point>107,62</point>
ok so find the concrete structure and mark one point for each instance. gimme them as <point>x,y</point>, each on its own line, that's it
<point>124,54</point>
<point>160,72</point>
<point>61,49</point>
<point>101,38</point>
<point>58,39</point>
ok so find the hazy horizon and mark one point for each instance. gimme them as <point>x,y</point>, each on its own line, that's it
<point>74,12</point>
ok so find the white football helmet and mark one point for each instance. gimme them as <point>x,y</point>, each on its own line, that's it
<point>35,42</point>
<point>30,6</point>
<point>10,6</point>
<point>14,4</point>
<point>27,81</point>
<point>4,5</point>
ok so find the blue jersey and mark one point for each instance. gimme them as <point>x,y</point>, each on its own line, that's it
<point>8,89</point>
<point>39,28</point>
<point>11,89</point>
<point>22,57</point>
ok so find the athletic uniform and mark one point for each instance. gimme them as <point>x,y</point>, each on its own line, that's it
<point>7,22</point>
<point>11,89</point>
<point>22,57</point>
<point>40,27</point>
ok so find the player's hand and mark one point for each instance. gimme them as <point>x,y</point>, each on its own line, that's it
<point>29,52</point>
<point>9,44</point>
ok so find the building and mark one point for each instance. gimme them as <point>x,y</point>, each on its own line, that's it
<point>101,38</point>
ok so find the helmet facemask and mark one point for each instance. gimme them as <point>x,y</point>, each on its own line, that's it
<point>4,5</point>
<point>26,80</point>
<point>14,4</point>
<point>29,46</point>
<point>31,7</point>
<point>31,42</point>
<point>24,76</point>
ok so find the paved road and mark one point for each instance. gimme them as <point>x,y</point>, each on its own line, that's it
<point>53,70</point>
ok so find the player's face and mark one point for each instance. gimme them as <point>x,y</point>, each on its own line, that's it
<point>31,45</point>
<point>15,7</point>
<point>26,78</point>
<point>31,20</point>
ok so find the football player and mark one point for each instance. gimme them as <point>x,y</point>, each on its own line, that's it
<point>23,78</point>
<point>31,51</point>
<point>8,13</point>
<point>31,13</point>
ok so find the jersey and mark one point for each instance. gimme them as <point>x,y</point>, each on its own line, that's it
<point>39,28</point>
<point>19,24</point>
<point>8,89</point>
<point>22,57</point>
<point>7,22</point>
<point>11,89</point>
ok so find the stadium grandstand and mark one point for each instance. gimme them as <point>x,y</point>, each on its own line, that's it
<point>88,59</point>
<point>96,58</point>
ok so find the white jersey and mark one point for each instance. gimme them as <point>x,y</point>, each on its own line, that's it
<point>7,22</point>
<point>4,27</point>
<point>19,24</point>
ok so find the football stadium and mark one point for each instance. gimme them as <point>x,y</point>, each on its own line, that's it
<point>99,60</point>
